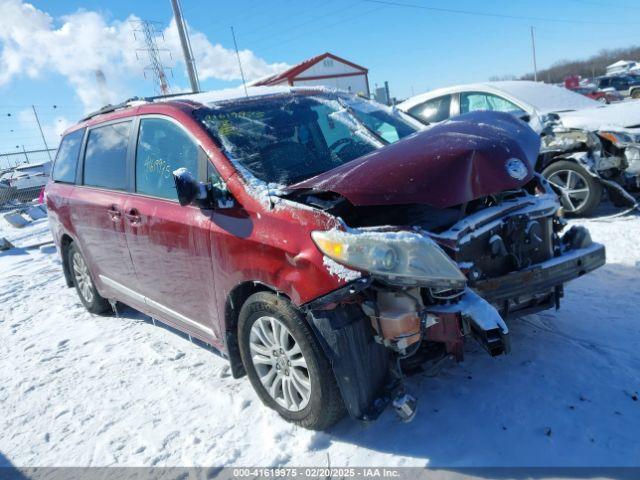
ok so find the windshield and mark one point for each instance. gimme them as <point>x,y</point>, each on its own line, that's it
<point>288,139</point>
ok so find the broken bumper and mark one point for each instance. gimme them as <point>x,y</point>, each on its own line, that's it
<point>542,277</point>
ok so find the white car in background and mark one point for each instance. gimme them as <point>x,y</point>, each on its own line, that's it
<point>586,145</point>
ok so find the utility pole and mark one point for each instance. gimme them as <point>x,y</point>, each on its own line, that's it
<point>533,47</point>
<point>186,46</point>
<point>235,44</point>
<point>24,151</point>
<point>35,114</point>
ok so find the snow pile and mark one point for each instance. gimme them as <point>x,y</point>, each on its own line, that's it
<point>79,389</point>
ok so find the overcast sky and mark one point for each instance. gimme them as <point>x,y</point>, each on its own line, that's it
<point>50,51</point>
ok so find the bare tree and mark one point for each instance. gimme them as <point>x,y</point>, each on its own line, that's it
<point>593,66</point>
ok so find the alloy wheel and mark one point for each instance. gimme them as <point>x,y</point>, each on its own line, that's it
<point>280,363</point>
<point>572,187</point>
<point>82,277</point>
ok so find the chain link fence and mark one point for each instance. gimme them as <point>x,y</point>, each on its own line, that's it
<point>23,176</point>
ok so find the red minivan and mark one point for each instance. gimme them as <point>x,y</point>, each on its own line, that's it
<point>322,242</point>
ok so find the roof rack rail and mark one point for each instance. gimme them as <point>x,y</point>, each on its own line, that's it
<point>112,108</point>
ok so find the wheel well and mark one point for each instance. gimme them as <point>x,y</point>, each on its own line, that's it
<point>65,243</point>
<point>235,300</point>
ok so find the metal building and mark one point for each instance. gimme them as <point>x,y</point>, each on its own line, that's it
<point>326,70</point>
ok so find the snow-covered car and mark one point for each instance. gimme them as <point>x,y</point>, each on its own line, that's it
<point>320,241</point>
<point>26,181</point>
<point>7,192</point>
<point>604,139</point>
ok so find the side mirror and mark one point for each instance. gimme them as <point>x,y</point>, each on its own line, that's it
<point>188,188</point>
<point>192,192</point>
<point>525,118</point>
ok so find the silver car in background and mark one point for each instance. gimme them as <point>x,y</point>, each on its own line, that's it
<point>587,147</point>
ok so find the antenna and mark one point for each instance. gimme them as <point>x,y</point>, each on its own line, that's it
<point>147,29</point>
<point>235,44</point>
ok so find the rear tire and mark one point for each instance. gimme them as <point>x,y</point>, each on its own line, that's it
<point>636,93</point>
<point>580,193</point>
<point>83,281</point>
<point>285,363</point>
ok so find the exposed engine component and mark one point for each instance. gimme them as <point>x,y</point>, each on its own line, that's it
<point>405,406</point>
<point>396,317</point>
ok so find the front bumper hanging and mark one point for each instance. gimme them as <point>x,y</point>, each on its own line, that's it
<point>543,276</point>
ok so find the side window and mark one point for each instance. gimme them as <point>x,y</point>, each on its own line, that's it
<point>474,101</point>
<point>66,164</point>
<point>162,148</point>
<point>433,111</point>
<point>619,83</point>
<point>105,158</point>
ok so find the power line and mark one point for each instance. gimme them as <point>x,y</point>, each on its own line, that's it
<point>495,15</point>
<point>601,4</point>
<point>288,29</point>
<point>324,27</point>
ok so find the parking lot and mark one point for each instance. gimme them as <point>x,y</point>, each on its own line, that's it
<point>78,389</point>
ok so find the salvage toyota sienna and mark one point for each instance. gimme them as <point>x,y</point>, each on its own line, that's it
<point>325,244</point>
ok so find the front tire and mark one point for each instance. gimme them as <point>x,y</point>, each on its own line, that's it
<point>285,363</point>
<point>83,281</point>
<point>580,193</point>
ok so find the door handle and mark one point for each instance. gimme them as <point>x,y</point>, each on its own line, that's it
<point>114,213</point>
<point>133,216</point>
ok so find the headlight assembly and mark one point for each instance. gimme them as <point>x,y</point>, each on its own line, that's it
<point>619,139</point>
<point>402,258</point>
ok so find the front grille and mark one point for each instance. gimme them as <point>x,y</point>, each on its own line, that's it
<point>516,243</point>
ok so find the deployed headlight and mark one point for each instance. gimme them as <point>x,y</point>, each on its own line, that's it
<point>619,139</point>
<point>404,258</point>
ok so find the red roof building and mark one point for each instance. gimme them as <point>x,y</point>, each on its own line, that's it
<point>327,70</point>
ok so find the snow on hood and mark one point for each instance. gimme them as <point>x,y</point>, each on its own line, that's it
<point>451,163</point>
<point>613,116</point>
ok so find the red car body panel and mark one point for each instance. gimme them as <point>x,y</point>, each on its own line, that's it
<point>185,258</point>
<point>451,163</point>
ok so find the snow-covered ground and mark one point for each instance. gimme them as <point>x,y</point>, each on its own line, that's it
<point>78,389</point>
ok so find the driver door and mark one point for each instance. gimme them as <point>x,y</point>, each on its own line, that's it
<point>170,245</point>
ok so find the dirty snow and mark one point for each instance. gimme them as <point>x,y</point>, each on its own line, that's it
<point>80,389</point>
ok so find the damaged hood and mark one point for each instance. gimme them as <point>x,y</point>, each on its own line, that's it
<point>471,156</point>
<point>615,116</point>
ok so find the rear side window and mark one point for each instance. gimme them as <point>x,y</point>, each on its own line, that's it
<point>105,158</point>
<point>66,164</point>
<point>480,101</point>
<point>162,148</point>
<point>433,111</point>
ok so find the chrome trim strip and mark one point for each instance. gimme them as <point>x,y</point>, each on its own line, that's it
<point>122,289</point>
<point>179,316</point>
<point>153,304</point>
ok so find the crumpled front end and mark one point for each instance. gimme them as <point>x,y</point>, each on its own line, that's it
<point>610,155</point>
<point>487,261</point>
